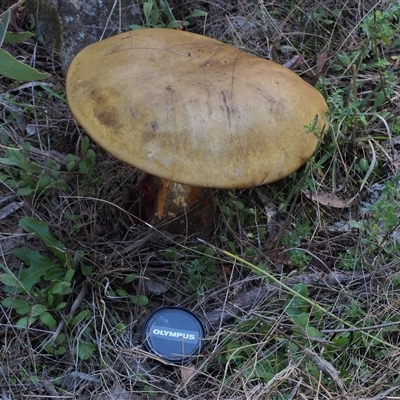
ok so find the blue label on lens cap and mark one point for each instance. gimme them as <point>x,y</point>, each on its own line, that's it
<point>174,334</point>
<point>167,333</point>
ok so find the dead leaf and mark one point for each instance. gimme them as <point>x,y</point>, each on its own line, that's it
<point>294,62</point>
<point>321,62</point>
<point>312,76</point>
<point>187,371</point>
<point>279,256</point>
<point>396,164</point>
<point>154,288</point>
<point>329,199</point>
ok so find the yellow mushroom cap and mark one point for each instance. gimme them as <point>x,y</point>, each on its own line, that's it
<point>194,110</point>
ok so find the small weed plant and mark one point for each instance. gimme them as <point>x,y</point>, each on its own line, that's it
<point>158,14</point>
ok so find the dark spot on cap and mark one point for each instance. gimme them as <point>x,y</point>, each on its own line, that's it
<point>104,109</point>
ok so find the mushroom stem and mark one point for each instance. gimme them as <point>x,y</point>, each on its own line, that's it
<point>176,207</point>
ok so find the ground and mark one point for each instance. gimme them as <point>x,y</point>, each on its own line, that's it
<point>297,283</point>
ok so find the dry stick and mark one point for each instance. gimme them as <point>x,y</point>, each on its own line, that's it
<point>366,328</point>
<point>74,307</point>
<point>298,295</point>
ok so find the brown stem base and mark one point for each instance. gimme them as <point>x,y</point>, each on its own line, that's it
<point>176,208</point>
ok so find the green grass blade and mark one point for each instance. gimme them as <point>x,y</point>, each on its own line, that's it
<point>3,26</point>
<point>41,230</point>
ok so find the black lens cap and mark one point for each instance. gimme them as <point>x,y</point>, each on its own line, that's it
<point>174,334</point>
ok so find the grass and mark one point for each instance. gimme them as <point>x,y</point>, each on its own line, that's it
<point>299,281</point>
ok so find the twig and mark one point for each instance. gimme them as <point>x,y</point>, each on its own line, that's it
<point>364,328</point>
<point>55,155</point>
<point>74,307</point>
<point>383,395</point>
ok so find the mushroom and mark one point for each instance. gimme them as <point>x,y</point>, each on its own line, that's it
<point>193,111</point>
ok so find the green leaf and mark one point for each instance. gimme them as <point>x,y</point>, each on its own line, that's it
<point>61,287</point>
<point>69,275</point>
<point>167,10</point>
<point>37,310</point>
<point>7,302</point>
<point>147,11</point>
<point>345,59</point>
<point>85,350</point>
<point>71,165</point>
<point>135,27</point>
<point>11,161</point>
<point>140,300</point>
<point>14,69</point>
<point>38,266</point>
<point>12,302</point>
<point>41,230</point>
<point>8,280</point>
<point>379,100</point>
<point>25,191</point>
<point>48,320</point>
<point>3,26</point>
<point>341,341</point>
<point>294,305</point>
<point>91,156</point>
<point>196,14</point>
<point>25,322</point>
<point>86,270</point>
<point>301,320</point>
<point>313,332</point>
<point>121,292</point>
<point>16,158</point>
<point>61,305</point>
<point>71,161</point>
<point>24,310</point>
<point>177,24</point>
<point>17,37</point>
<point>61,350</point>
<point>62,185</point>
<point>83,168</point>
<point>209,251</point>
<point>54,273</point>
<point>30,257</point>
<point>80,316</point>
<point>130,278</point>
<point>85,143</point>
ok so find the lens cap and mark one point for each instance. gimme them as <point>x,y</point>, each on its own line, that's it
<point>174,334</point>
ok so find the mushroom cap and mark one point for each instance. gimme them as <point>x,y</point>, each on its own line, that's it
<point>193,110</point>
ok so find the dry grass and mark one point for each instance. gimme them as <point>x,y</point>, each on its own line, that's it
<point>346,257</point>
